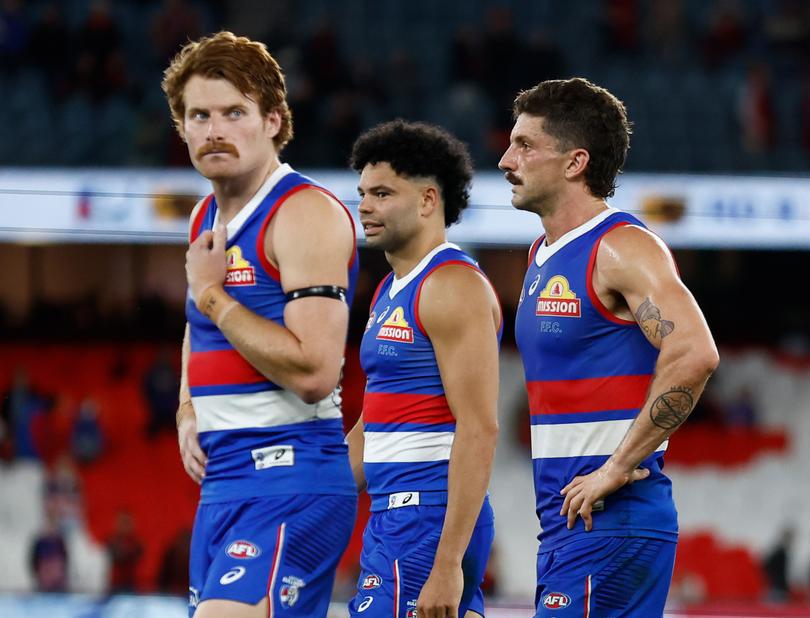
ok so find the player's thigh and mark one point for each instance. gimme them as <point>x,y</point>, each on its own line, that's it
<point>301,581</point>
<point>220,608</point>
<point>281,552</point>
<point>388,581</point>
<point>605,577</point>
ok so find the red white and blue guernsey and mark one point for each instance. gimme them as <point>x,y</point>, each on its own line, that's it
<point>408,431</point>
<point>408,425</point>
<point>260,439</point>
<point>587,373</point>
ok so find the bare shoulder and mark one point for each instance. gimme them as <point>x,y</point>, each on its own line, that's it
<point>311,220</point>
<point>455,292</point>
<point>312,206</point>
<point>631,250</point>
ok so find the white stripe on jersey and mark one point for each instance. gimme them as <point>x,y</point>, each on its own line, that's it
<point>407,446</point>
<point>264,409</point>
<point>580,439</point>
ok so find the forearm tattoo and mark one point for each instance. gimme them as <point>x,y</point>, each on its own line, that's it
<point>649,319</point>
<point>208,305</point>
<point>671,409</point>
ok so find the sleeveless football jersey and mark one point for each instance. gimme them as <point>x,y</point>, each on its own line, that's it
<point>260,439</point>
<point>408,425</point>
<point>587,374</point>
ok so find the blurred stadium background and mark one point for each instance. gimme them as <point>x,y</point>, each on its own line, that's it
<point>95,189</point>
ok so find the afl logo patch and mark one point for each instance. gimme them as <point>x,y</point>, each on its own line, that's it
<point>372,581</point>
<point>243,550</point>
<point>556,600</point>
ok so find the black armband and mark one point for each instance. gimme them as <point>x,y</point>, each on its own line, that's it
<point>329,291</point>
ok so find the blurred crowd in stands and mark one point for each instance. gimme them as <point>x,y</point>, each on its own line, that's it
<point>68,441</point>
<point>715,85</point>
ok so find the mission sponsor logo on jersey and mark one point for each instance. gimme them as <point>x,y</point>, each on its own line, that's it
<point>240,272</point>
<point>395,328</point>
<point>557,299</point>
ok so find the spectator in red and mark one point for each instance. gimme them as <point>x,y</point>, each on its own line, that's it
<point>125,550</point>
<point>755,110</point>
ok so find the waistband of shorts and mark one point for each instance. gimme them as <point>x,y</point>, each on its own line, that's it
<point>403,499</point>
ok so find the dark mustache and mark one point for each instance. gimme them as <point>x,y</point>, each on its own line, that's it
<point>511,178</point>
<point>217,147</point>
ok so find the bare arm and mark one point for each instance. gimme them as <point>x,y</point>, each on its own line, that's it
<point>194,460</point>
<point>460,313</point>
<point>311,241</point>
<point>635,268</point>
<point>357,442</point>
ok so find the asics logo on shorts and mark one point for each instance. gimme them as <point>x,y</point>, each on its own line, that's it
<point>403,498</point>
<point>232,575</point>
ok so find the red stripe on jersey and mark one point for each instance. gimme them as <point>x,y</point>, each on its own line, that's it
<point>266,264</point>
<point>221,367</point>
<point>271,581</point>
<point>406,408</point>
<point>269,268</point>
<point>588,394</point>
<point>396,589</point>
<point>198,220</point>
<point>595,300</point>
<point>535,246</point>
<point>587,597</point>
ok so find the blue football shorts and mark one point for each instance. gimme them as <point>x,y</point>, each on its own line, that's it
<point>605,577</point>
<point>284,547</point>
<point>399,546</point>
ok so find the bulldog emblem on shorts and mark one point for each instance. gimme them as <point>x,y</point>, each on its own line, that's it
<point>290,590</point>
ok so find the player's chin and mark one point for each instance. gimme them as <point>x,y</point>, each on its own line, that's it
<point>216,170</point>
<point>374,239</point>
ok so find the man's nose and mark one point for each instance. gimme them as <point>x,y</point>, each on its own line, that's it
<point>507,162</point>
<point>215,126</point>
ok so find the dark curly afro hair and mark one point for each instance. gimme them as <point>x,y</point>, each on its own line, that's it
<point>420,150</point>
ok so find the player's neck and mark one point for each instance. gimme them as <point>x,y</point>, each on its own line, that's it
<point>569,215</point>
<point>405,259</point>
<point>234,193</point>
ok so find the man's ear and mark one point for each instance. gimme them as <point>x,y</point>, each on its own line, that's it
<point>577,163</point>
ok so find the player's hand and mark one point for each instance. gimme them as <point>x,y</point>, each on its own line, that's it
<point>584,492</point>
<point>441,594</point>
<point>194,460</point>
<point>205,262</point>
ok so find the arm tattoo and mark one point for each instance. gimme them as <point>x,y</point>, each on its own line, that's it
<point>649,318</point>
<point>208,308</point>
<point>672,408</point>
